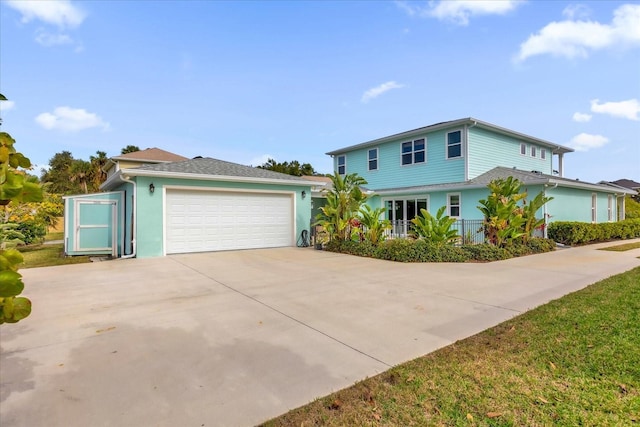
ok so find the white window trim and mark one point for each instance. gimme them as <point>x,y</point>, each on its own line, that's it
<point>594,208</point>
<point>459,204</point>
<point>413,152</point>
<point>523,145</point>
<point>446,145</point>
<point>338,164</point>
<point>369,160</point>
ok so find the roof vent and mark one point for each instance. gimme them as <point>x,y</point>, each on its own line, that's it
<point>537,172</point>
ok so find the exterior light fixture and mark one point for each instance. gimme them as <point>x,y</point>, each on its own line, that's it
<point>304,194</point>
<point>152,188</point>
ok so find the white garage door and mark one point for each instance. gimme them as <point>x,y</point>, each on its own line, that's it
<point>200,221</point>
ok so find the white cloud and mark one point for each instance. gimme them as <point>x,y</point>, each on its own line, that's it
<point>586,142</point>
<point>261,160</point>
<point>70,119</point>
<point>581,117</point>
<point>7,105</point>
<point>375,92</point>
<point>61,13</point>
<point>574,11</point>
<point>624,109</point>
<point>47,39</point>
<point>459,11</point>
<point>573,39</point>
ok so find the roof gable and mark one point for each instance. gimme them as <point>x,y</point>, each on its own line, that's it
<point>154,155</point>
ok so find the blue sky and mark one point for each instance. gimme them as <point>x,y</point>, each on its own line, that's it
<point>243,81</point>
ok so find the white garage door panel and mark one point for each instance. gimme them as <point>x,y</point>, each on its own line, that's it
<point>198,221</point>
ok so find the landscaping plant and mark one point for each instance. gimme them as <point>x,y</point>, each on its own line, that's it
<point>374,227</point>
<point>344,201</point>
<point>436,229</point>
<point>14,188</point>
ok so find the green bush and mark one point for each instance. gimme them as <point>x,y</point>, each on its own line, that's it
<point>576,233</point>
<point>406,250</point>
<point>32,231</point>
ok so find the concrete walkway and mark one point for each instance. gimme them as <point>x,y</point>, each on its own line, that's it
<point>236,338</point>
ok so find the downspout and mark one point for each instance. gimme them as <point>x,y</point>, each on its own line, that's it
<point>134,211</point>
<point>544,208</point>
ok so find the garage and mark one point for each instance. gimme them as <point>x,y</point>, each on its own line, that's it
<point>210,220</point>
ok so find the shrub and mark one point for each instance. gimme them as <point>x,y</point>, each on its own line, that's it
<point>421,250</point>
<point>575,233</point>
<point>32,230</point>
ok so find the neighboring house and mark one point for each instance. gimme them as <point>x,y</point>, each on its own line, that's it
<point>196,205</point>
<point>139,158</point>
<point>450,163</point>
<point>628,183</point>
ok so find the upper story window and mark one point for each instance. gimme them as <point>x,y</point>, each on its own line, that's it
<point>543,153</point>
<point>454,144</point>
<point>372,157</point>
<point>534,151</point>
<point>342,165</point>
<point>523,149</point>
<point>414,152</point>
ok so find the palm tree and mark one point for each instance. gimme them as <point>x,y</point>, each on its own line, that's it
<point>97,174</point>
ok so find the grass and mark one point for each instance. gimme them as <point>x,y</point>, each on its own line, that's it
<point>573,361</point>
<point>622,248</point>
<point>47,255</point>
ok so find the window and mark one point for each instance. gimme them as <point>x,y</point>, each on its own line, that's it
<point>543,153</point>
<point>454,144</point>
<point>594,208</point>
<point>453,205</point>
<point>610,208</point>
<point>342,165</point>
<point>413,152</point>
<point>373,159</point>
<point>523,149</point>
<point>533,151</point>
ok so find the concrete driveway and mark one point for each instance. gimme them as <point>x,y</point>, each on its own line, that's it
<point>235,338</point>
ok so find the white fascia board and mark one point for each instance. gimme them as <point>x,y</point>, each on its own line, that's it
<point>206,177</point>
<point>589,186</point>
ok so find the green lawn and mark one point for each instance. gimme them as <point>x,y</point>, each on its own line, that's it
<point>47,255</point>
<point>622,248</point>
<point>574,361</point>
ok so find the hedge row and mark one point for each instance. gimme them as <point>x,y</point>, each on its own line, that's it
<point>572,233</point>
<point>405,250</point>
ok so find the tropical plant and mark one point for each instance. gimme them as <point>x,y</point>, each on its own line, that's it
<point>503,218</point>
<point>130,149</point>
<point>436,229</point>
<point>529,214</point>
<point>14,187</point>
<point>374,228</point>
<point>290,168</point>
<point>344,200</point>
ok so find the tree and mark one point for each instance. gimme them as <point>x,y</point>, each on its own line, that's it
<point>290,168</point>
<point>14,188</point>
<point>97,175</point>
<point>504,218</point>
<point>344,201</point>
<point>129,149</point>
<point>58,176</point>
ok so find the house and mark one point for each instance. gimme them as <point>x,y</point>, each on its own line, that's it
<point>160,207</point>
<point>450,164</point>
<point>138,158</point>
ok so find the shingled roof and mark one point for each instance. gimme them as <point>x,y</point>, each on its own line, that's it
<point>210,166</point>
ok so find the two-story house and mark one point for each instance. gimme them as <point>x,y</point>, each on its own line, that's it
<point>450,164</point>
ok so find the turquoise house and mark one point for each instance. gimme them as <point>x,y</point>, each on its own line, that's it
<point>450,163</point>
<point>195,205</point>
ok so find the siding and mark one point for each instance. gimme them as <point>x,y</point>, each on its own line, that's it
<point>392,174</point>
<point>574,204</point>
<point>488,149</point>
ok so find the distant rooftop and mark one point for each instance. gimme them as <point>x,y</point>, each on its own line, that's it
<point>153,155</point>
